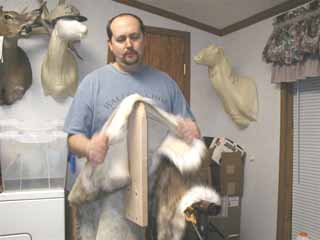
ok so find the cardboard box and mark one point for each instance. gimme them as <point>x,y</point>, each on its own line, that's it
<point>227,176</point>
<point>205,172</point>
<point>231,174</point>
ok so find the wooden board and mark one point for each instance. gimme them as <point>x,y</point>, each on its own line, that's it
<point>136,207</point>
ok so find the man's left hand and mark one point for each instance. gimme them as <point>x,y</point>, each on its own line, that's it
<point>188,129</point>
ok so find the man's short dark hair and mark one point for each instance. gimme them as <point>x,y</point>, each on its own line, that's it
<point>109,32</point>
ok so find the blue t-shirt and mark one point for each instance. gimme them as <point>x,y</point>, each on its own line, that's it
<point>101,91</point>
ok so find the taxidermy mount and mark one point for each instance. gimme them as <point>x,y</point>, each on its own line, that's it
<point>237,93</point>
<point>59,71</point>
<point>15,68</point>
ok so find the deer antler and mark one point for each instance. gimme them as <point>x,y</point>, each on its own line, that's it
<point>24,10</point>
<point>45,11</point>
<point>39,26</point>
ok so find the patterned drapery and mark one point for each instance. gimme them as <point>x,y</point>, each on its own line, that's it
<point>294,46</point>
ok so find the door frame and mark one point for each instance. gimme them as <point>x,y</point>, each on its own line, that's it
<point>284,218</point>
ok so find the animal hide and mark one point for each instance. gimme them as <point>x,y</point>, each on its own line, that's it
<point>99,190</point>
<point>176,190</point>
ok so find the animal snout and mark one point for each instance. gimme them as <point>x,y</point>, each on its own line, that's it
<point>83,31</point>
<point>197,59</point>
<point>71,29</point>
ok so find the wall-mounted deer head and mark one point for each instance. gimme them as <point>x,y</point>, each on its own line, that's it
<point>15,69</point>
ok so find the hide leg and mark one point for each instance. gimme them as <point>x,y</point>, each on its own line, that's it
<point>87,218</point>
<point>163,224</point>
<point>178,226</point>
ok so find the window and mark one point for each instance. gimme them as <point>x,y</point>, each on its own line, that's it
<point>306,159</point>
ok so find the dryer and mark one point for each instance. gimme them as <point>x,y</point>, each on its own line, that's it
<point>32,215</point>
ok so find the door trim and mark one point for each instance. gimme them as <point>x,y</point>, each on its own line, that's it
<point>284,218</point>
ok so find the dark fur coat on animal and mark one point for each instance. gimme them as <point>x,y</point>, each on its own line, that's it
<point>99,190</point>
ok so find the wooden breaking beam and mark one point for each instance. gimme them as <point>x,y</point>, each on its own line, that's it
<point>136,207</point>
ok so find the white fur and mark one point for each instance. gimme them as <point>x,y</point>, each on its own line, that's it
<point>185,157</point>
<point>113,173</point>
<point>112,128</point>
<point>71,30</point>
<point>118,121</point>
<point>196,194</point>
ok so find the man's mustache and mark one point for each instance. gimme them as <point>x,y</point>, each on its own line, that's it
<point>130,51</point>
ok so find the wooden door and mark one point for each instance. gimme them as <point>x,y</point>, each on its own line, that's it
<point>169,51</point>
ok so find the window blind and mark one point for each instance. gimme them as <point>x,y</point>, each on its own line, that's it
<point>306,159</point>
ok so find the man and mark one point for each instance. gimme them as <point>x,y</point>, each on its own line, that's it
<point>102,90</point>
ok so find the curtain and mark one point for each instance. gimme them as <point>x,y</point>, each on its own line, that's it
<point>293,48</point>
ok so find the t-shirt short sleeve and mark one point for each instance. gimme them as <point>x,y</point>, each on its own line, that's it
<point>179,103</point>
<point>80,115</point>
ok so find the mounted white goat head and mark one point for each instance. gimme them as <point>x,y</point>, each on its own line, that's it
<point>59,72</point>
<point>238,94</point>
<point>15,68</point>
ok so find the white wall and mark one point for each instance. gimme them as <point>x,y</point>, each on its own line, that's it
<point>35,106</point>
<point>261,139</point>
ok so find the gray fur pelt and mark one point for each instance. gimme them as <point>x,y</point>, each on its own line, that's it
<point>99,192</point>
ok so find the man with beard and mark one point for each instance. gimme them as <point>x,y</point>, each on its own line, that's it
<point>103,89</point>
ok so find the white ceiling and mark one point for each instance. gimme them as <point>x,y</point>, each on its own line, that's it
<point>215,13</point>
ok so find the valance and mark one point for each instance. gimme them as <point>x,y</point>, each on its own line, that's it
<point>294,45</point>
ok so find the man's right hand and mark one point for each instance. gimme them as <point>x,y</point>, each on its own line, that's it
<point>97,148</point>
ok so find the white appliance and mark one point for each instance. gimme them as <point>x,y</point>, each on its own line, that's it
<point>33,169</point>
<point>32,215</point>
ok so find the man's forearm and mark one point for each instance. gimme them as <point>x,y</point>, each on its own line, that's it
<point>78,144</point>
<point>94,149</point>
<point>188,129</point>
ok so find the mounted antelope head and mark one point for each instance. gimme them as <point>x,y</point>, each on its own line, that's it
<point>237,93</point>
<point>59,72</point>
<point>15,69</point>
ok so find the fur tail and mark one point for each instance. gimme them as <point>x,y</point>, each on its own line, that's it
<point>187,158</point>
<point>175,227</point>
<point>197,194</point>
